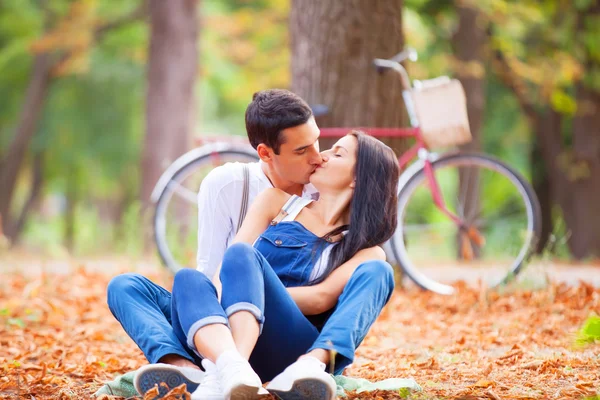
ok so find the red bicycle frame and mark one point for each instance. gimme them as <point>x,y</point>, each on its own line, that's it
<point>405,158</point>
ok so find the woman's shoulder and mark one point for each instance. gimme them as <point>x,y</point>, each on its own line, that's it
<point>275,194</point>
<point>372,253</point>
<point>273,198</point>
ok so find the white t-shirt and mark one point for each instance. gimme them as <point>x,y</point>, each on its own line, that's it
<point>219,205</point>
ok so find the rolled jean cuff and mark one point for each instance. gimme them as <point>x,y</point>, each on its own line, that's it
<point>251,308</point>
<point>155,358</point>
<point>213,319</point>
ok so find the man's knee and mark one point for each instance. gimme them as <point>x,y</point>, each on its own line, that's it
<point>123,286</point>
<point>189,276</point>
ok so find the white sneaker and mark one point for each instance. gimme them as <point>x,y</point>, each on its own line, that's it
<point>154,374</point>
<point>238,379</point>
<point>210,387</point>
<point>304,379</point>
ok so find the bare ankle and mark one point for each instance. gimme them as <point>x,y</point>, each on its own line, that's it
<point>178,361</point>
<point>320,354</point>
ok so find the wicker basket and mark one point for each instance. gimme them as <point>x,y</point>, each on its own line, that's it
<point>441,108</point>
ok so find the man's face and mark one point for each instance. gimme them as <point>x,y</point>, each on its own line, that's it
<point>298,153</point>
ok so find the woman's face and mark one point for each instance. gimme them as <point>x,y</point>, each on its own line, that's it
<point>337,169</point>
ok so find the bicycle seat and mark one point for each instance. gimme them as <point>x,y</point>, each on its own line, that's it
<point>319,110</point>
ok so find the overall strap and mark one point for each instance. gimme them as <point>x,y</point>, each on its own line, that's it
<point>245,193</point>
<point>286,209</point>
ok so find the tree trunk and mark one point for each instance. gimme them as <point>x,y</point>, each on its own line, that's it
<point>540,180</point>
<point>581,198</point>
<point>37,180</point>
<point>468,43</point>
<point>26,127</point>
<point>71,204</point>
<point>333,45</point>
<point>171,77</point>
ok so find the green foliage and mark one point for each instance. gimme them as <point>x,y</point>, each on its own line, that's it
<point>589,332</point>
<point>240,57</point>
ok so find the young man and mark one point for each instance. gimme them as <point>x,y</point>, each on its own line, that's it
<point>282,129</point>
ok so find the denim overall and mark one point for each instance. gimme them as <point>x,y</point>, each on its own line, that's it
<point>254,279</point>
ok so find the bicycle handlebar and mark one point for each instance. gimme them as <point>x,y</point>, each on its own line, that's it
<point>408,53</point>
<point>394,63</point>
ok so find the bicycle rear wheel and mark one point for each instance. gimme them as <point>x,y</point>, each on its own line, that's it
<point>175,217</point>
<point>502,224</point>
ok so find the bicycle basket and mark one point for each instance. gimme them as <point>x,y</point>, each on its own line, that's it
<point>441,108</point>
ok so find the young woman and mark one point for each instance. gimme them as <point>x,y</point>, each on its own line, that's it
<point>301,285</point>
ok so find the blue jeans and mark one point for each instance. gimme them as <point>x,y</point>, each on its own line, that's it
<point>161,323</point>
<point>250,284</point>
<point>144,310</point>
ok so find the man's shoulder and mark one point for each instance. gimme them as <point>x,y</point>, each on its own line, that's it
<point>232,172</point>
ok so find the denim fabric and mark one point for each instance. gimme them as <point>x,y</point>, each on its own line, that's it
<point>254,279</point>
<point>291,250</point>
<point>144,310</point>
<point>251,283</point>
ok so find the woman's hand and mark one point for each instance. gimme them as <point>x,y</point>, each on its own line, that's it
<point>322,297</point>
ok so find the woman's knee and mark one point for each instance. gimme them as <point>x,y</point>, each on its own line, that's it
<point>238,251</point>
<point>238,256</point>
<point>378,272</point>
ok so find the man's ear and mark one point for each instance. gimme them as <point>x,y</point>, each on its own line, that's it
<point>265,153</point>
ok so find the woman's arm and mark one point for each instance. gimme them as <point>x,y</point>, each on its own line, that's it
<point>321,297</point>
<point>263,210</point>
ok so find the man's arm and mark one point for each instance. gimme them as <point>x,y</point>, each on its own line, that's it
<point>263,210</point>
<point>323,296</point>
<point>214,221</point>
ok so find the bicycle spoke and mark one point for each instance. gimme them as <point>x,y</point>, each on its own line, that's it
<point>183,192</point>
<point>499,224</point>
<point>422,227</point>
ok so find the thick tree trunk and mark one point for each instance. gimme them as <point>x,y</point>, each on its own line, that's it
<point>172,71</point>
<point>548,178</point>
<point>333,45</point>
<point>26,127</point>
<point>581,199</point>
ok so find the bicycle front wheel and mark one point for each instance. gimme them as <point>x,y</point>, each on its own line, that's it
<point>176,212</point>
<point>501,224</point>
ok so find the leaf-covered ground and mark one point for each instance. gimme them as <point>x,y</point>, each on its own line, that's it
<point>58,340</point>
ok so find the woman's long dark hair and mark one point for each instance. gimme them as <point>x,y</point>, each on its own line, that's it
<point>374,205</point>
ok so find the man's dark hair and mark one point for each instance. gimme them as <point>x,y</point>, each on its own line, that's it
<point>270,112</point>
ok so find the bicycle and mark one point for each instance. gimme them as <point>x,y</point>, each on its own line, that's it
<point>435,240</point>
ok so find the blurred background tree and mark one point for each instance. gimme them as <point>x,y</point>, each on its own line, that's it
<point>98,97</point>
